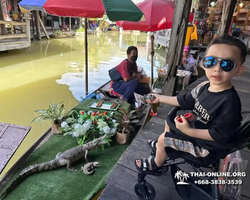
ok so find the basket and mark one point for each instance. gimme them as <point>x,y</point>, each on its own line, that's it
<point>161,73</point>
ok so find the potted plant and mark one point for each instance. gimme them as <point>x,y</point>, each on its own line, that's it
<point>55,113</point>
<point>125,127</point>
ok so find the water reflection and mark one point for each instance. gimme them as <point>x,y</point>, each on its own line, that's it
<point>53,71</point>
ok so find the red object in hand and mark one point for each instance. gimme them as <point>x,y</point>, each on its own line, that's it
<point>153,114</point>
<point>188,116</point>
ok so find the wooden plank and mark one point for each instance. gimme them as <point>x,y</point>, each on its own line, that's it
<point>111,192</point>
<point>13,23</point>
<point>14,45</point>
<point>10,139</point>
<point>157,120</point>
<point>44,29</point>
<point>151,126</point>
<point>6,178</point>
<point>2,37</point>
<point>129,179</point>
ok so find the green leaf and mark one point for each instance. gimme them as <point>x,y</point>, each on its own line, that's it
<point>133,117</point>
<point>135,121</point>
<point>37,119</point>
<point>40,111</point>
<point>132,111</point>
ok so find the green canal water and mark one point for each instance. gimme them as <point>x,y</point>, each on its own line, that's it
<point>53,71</point>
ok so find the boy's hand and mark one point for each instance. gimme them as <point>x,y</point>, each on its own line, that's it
<point>155,100</point>
<point>182,126</point>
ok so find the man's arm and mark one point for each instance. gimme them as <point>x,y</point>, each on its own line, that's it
<point>136,76</point>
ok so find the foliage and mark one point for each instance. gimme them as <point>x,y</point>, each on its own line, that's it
<point>80,30</point>
<point>103,24</point>
<point>127,119</point>
<point>58,32</point>
<point>86,126</point>
<point>55,113</point>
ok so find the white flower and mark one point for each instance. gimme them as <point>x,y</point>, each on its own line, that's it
<point>64,125</point>
<point>86,125</point>
<point>90,112</point>
<point>113,131</point>
<point>89,122</point>
<point>75,134</point>
<point>106,129</point>
<point>113,120</point>
<point>101,124</point>
<point>77,126</point>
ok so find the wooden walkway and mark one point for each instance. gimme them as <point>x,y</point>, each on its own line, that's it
<point>120,183</point>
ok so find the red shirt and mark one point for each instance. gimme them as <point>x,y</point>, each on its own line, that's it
<point>126,69</point>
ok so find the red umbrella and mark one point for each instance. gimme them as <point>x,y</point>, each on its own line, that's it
<point>159,15</point>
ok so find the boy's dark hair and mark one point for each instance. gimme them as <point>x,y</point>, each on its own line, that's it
<point>131,48</point>
<point>229,40</point>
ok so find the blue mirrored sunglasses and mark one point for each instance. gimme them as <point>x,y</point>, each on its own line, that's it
<point>226,65</point>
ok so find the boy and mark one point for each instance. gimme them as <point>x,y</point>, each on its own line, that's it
<point>216,105</point>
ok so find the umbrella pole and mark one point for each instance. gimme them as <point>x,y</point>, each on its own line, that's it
<point>152,60</point>
<point>86,57</point>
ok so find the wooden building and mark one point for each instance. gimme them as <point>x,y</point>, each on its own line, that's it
<point>14,26</point>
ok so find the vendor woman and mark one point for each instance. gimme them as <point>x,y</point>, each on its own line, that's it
<point>130,77</point>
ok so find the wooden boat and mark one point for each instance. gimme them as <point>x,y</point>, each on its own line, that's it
<point>63,35</point>
<point>143,115</point>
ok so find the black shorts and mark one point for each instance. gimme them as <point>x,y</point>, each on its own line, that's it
<point>178,145</point>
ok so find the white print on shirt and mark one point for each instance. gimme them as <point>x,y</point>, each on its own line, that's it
<point>201,112</point>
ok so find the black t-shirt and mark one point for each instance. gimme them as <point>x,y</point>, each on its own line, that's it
<point>219,112</point>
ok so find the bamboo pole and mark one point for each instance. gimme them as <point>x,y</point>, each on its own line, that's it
<point>86,57</point>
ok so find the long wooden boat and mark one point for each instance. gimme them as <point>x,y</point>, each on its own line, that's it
<point>143,115</point>
<point>63,35</point>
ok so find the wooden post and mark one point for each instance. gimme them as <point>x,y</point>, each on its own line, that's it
<point>86,56</point>
<point>38,28</point>
<point>70,24</point>
<point>152,59</point>
<point>230,16</point>
<point>2,26</point>
<point>27,19</point>
<point>177,39</point>
<point>33,21</point>
<point>227,14</point>
<point>52,24</point>
<point>43,27</point>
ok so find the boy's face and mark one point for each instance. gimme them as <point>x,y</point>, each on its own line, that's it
<point>215,74</point>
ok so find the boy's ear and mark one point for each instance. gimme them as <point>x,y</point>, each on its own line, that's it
<point>241,69</point>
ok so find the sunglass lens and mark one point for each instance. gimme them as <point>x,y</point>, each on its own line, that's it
<point>209,61</point>
<point>227,65</point>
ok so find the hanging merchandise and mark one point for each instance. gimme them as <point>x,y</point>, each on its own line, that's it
<point>5,10</point>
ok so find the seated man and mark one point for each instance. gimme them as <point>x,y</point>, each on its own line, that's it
<point>130,77</point>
